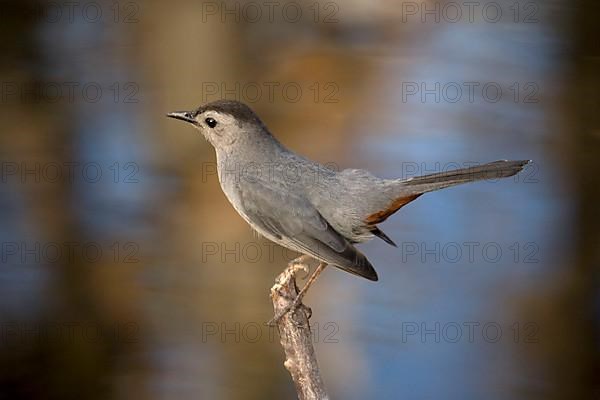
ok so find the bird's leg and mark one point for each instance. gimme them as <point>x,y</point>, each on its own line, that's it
<point>298,300</point>
<point>310,281</point>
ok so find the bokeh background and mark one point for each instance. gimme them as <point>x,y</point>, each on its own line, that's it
<point>125,273</point>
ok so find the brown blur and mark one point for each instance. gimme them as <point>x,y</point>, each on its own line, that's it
<point>159,287</point>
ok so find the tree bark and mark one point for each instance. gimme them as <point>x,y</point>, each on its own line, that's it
<point>296,338</point>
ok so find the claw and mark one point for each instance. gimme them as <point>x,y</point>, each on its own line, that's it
<point>298,300</point>
<point>300,263</point>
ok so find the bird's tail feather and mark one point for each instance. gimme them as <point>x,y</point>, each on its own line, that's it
<point>408,190</point>
<point>489,171</point>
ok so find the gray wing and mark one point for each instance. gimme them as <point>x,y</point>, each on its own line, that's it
<point>297,224</point>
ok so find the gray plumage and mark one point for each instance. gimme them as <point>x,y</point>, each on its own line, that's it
<point>302,205</point>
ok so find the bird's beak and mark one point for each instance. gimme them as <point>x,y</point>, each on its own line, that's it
<point>182,115</point>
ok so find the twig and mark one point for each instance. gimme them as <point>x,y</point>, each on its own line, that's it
<point>296,338</point>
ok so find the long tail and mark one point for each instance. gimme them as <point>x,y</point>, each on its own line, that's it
<point>489,171</point>
<point>408,190</point>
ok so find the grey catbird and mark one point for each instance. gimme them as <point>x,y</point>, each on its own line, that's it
<point>302,205</point>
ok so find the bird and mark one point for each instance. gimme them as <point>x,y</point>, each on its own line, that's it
<point>304,206</point>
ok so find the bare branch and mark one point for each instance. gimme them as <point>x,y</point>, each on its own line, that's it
<point>295,337</point>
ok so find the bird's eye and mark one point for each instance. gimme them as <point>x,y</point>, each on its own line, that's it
<point>210,122</point>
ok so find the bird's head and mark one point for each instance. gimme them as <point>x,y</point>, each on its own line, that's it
<point>223,122</point>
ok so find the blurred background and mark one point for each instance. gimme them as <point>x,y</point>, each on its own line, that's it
<point>124,271</point>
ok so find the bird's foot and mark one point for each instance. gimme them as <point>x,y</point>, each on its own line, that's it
<point>302,263</point>
<point>298,300</point>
